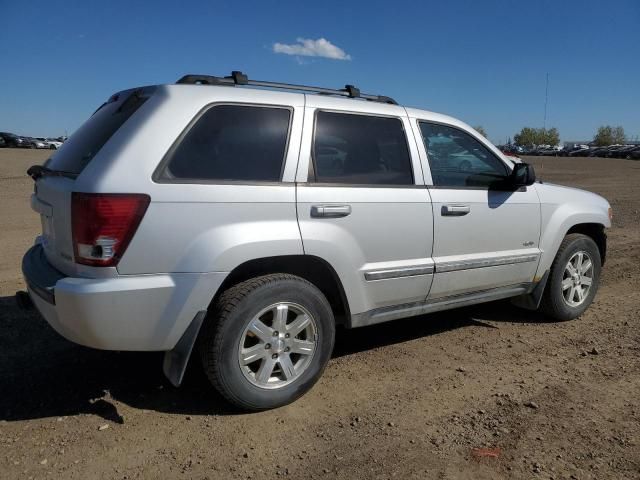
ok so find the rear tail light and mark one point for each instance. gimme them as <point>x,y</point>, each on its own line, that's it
<point>103,225</point>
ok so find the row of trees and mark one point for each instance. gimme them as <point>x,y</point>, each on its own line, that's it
<point>606,135</point>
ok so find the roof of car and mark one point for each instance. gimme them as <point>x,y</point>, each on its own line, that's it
<point>340,96</point>
<point>346,94</point>
<point>238,78</point>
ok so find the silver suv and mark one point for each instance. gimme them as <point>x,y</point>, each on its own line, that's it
<point>248,222</point>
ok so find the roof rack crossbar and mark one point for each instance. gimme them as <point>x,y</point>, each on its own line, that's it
<point>239,78</point>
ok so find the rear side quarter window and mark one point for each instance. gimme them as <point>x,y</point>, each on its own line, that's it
<point>231,143</point>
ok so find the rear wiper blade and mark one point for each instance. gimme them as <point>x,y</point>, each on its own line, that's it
<point>38,171</point>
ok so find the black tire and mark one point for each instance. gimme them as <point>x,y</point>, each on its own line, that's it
<point>224,329</point>
<point>553,302</point>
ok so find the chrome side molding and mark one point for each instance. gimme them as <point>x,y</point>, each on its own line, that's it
<point>448,266</point>
<point>386,273</point>
<point>452,266</point>
<point>395,312</point>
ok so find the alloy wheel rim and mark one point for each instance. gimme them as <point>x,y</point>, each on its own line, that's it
<point>577,279</point>
<point>277,345</point>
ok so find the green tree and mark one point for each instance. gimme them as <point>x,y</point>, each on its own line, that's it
<point>527,137</point>
<point>608,135</point>
<point>551,136</point>
<point>619,135</point>
<point>531,137</point>
<point>481,131</point>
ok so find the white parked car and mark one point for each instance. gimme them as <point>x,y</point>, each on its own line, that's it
<point>39,143</point>
<point>50,143</point>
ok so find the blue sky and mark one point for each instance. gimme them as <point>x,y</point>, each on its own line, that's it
<point>484,62</point>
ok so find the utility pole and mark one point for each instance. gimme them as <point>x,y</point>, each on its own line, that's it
<point>546,100</point>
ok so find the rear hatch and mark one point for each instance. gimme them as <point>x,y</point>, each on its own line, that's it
<point>55,180</point>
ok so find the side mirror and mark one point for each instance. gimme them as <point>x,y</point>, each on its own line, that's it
<point>522,175</point>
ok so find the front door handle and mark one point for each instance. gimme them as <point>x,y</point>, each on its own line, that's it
<point>330,211</point>
<point>455,210</point>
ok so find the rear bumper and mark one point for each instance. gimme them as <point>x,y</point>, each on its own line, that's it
<point>40,276</point>
<point>128,312</point>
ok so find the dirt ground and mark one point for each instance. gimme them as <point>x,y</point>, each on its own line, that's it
<point>409,399</point>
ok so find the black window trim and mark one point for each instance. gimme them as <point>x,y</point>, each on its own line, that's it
<point>159,176</point>
<point>311,173</point>
<point>455,187</point>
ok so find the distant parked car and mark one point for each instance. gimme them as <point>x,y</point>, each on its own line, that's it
<point>38,142</point>
<point>579,152</point>
<point>634,154</point>
<point>576,151</point>
<point>611,150</point>
<point>623,152</point>
<point>15,141</point>
<point>54,143</point>
<point>510,149</point>
<point>458,156</point>
<point>549,152</point>
<point>50,143</point>
<point>598,151</point>
<point>28,142</point>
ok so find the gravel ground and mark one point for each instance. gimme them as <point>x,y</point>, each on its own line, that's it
<point>411,399</point>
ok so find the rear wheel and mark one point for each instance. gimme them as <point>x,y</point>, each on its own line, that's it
<point>267,341</point>
<point>573,279</point>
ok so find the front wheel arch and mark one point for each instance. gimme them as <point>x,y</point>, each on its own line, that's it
<point>553,302</point>
<point>596,232</point>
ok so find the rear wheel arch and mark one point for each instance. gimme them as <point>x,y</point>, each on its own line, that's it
<point>272,366</point>
<point>309,267</point>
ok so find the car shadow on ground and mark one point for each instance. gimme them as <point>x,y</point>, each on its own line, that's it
<point>43,375</point>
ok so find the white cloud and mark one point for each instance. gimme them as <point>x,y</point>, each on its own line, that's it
<point>307,47</point>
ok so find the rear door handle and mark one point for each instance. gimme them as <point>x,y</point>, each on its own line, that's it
<point>455,210</point>
<point>330,211</point>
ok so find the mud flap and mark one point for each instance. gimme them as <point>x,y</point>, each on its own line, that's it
<point>176,360</point>
<point>531,301</point>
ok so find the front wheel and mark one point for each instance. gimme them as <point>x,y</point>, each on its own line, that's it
<point>573,279</point>
<point>267,341</point>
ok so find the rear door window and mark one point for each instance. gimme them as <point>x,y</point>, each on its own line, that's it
<point>232,143</point>
<point>78,151</point>
<point>361,149</point>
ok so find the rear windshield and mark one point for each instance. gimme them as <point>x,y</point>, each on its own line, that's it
<point>77,152</point>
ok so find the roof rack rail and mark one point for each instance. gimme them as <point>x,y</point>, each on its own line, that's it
<point>239,78</point>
